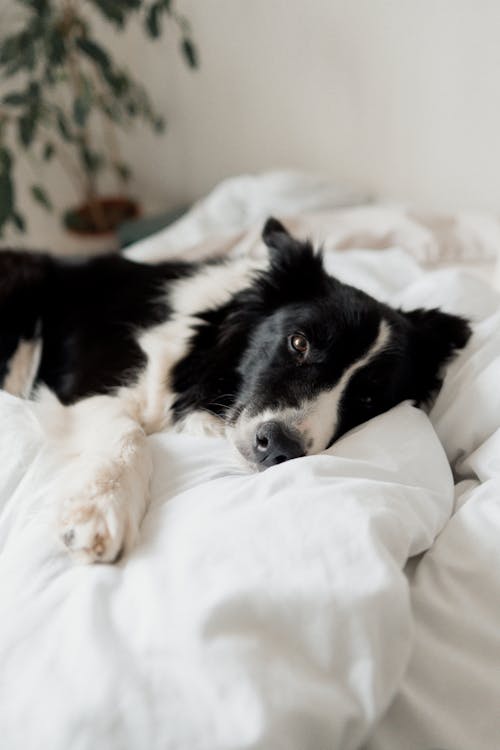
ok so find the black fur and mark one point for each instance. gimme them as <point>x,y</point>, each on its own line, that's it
<point>88,313</point>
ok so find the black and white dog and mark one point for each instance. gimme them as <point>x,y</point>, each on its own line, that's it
<point>279,356</point>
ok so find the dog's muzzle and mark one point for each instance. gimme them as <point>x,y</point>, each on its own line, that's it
<point>274,444</point>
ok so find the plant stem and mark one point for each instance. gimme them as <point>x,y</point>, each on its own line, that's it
<point>95,207</point>
<point>108,127</point>
<point>71,169</point>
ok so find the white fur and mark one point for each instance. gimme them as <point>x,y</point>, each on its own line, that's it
<point>316,420</point>
<point>105,493</point>
<point>200,423</point>
<point>102,496</point>
<point>166,344</point>
<point>151,399</point>
<point>214,287</point>
<point>23,366</point>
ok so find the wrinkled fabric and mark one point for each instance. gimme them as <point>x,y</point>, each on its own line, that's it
<point>272,610</point>
<point>266,610</point>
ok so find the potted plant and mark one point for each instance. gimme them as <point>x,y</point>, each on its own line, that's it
<point>62,82</point>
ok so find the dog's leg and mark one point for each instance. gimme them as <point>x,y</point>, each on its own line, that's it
<point>103,490</point>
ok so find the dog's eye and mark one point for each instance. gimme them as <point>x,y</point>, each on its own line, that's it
<point>298,344</point>
<point>366,401</point>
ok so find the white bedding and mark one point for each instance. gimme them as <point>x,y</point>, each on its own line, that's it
<point>272,611</point>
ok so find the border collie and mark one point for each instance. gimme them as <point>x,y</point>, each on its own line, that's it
<point>277,355</point>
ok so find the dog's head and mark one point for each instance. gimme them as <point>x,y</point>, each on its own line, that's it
<point>324,357</point>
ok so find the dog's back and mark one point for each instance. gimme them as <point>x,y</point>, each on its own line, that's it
<point>71,324</point>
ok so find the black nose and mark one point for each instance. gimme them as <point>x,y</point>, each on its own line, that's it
<point>274,444</point>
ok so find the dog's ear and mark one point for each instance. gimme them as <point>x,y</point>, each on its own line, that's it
<point>272,231</point>
<point>284,250</point>
<point>277,238</point>
<point>296,271</point>
<point>435,337</point>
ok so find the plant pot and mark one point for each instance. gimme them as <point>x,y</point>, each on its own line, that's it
<point>111,212</point>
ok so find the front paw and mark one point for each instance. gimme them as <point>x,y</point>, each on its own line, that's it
<point>95,529</point>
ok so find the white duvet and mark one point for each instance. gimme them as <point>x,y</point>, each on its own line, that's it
<point>275,610</point>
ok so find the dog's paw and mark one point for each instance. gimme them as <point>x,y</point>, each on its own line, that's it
<point>94,529</point>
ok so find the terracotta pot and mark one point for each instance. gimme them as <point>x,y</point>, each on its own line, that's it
<point>113,210</point>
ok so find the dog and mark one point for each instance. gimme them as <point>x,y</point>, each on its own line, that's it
<point>277,355</point>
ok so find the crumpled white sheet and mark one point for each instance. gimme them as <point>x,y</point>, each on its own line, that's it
<point>271,611</point>
<point>238,204</point>
<point>450,696</point>
<point>319,207</point>
<point>264,610</point>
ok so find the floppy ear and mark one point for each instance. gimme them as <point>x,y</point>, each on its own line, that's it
<point>435,337</point>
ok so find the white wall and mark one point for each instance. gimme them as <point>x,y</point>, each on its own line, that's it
<point>398,96</point>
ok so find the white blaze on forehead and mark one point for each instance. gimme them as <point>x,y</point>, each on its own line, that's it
<point>318,422</point>
<point>317,419</point>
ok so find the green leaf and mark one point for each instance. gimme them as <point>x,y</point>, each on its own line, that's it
<point>6,193</point>
<point>189,52</point>
<point>34,91</point>
<point>81,109</point>
<point>18,53</point>
<point>153,21</point>
<point>110,108</point>
<point>159,125</point>
<point>24,58</point>
<point>30,57</point>
<point>18,221</point>
<point>119,82</point>
<point>95,52</point>
<point>131,108</point>
<point>113,10</point>
<point>16,99</point>
<point>40,6</point>
<point>5,160</point>
<point>49,76</point>
<point>91,160</point>
<point>9,49</point>
<point>48,151</point>
<point>6,197</point>
<point>63,126</point>
<point>26,129</point>
<point>123,172</point>
<point>41,197</point>
<point>56,47</point>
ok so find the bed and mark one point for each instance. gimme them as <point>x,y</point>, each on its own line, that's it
<point>345,600</point>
